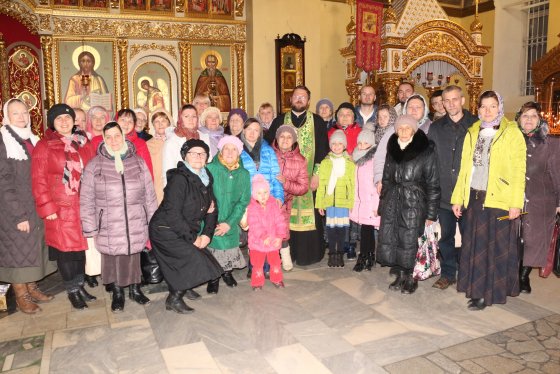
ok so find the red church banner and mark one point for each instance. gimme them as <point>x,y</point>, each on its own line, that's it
<point>369,20</point>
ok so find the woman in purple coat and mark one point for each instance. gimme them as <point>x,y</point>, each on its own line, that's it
<point>117,201</point>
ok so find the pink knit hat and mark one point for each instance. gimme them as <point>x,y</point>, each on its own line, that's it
<point>230,139</point>
<point>259,183</point>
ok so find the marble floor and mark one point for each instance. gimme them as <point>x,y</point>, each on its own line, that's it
<point>324,321</point>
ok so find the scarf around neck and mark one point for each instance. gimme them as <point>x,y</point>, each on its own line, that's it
<point>338,170</point>
<point>15,150</point>
<point>73,167</point>
<point>214,137</point>
<point>202,174</point>
<point>183,132</point>
<point>230,167</point>
<point>118,156</point>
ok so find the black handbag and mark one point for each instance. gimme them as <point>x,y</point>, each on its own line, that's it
<point>151,271</point>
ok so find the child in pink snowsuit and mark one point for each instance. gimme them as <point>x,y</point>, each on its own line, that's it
<point>267,228</point>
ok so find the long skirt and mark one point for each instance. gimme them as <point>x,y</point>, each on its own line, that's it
<point>307,247</point>
<point>183,265</point>
<point>489,264</point>
<point>229,259</point>
<point>121,270</point>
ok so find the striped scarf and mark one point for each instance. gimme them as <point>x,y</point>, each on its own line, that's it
<point>72,174</point>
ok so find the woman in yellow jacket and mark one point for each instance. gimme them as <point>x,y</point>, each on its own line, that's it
<point>490,185</point>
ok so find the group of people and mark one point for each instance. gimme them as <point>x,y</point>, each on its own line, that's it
<point>94,193</point>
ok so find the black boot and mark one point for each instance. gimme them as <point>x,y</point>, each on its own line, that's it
<point>176,303</point>
<point>91,280</point>
<point>398,283</point>
<point>135,293</point>
<point>109,287</point>
<point>76,300</point>
<point>476,304</point>
<point>332,260</point>
<point>360,264</point>
<point>228,279</point>
<point>524,281</point>
<point>370,261</point>
<point>410,284</point>
<point>351,254</point>
<point>85,295</point>
<point>192,294</point>
<point>117,305</point>
<point>213,286</point>
<point>339,259</point>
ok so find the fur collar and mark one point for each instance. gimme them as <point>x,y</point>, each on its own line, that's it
<point>15,148</point>
<point>368,156</point>
<point>419,144</point>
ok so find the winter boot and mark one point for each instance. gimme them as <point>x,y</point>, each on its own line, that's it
<point>176,303</point>
<point>76,300</point>
<point>91,280</point>
<point>286,259</point>
<point>24,301</point>
<point>85,295</point>
<point>339,260</point>
<point>117,305</point>
<point>398,283</point>
<point>135,293</point>
<point>410,283</point>
<point>213,286</point>
<point>370,261</point>
<point>37,295</point>
<point>229,280</point>
<point>360,264</point>
<point>351,253</point>
<point>524,281</point>
<point>332,260</point>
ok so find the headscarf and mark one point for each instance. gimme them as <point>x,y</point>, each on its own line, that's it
<point>182,132</point>
<point>14,149</point>
<point>380,131</point>
<point>118,154</point>
<point>234,140</point>
<point>425,118</point>
<point>498,119</point>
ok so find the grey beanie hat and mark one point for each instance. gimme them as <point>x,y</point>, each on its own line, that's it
<point>287,128</point>
<point>339,137</point>
<point>324,101</point>
<point>367,136</point>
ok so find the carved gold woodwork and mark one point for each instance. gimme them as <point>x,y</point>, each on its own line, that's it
<point>438,43</point>
<point>547,66</point>
<point>123,28</point>
<point>115,4</point>
<point>137,48</point>
<point>185,51</point>
<point>390,85</point>
<point>47,48</point>
<point>239,4</point>
<point>180,6</point>
<point>397,61</point>
<point>240,56</point>
<point>21,13</point>
<point>474,87</point>
<point>4,70</point>
<point>122,47</point>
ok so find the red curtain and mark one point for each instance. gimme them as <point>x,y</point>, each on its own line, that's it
<point>369,21</point>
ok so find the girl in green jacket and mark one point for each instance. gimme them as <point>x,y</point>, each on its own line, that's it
<point>335,195</point>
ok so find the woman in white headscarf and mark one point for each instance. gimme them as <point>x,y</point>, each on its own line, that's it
<point>417,107</point>
<point>23,253</point>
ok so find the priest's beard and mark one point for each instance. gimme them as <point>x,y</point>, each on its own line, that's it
<point>299,107</point>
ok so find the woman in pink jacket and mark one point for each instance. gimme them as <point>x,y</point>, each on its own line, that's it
<point>366,200</point>
<point>267,229</point>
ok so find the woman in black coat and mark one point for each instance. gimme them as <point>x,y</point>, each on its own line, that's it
<point>409,199</point>
<point>175,229</point>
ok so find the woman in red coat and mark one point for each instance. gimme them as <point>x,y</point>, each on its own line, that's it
<point>56,169</point>
<point>126,119</point>
<point>294,179</point>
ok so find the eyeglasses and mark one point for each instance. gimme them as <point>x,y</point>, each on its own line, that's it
<point>300,97</point>
<point>197,154</point>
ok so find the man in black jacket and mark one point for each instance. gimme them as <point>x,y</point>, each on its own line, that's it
<point>448,133</point>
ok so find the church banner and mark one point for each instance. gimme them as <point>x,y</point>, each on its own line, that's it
<point>369,19</point>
